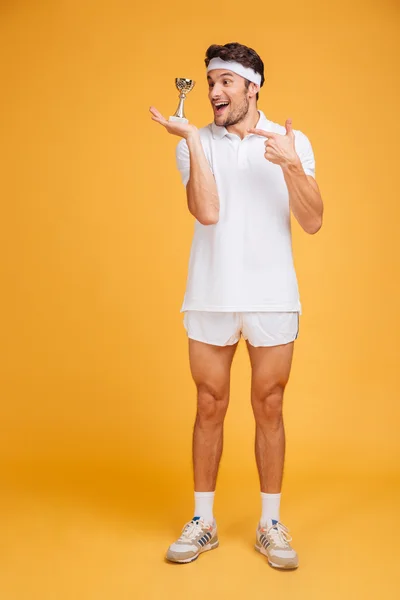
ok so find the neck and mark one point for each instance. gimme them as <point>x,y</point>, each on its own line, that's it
<point>250,120</point>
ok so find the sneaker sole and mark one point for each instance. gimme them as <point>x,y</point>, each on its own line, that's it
<point>262,550</point>
<point>189,560</point>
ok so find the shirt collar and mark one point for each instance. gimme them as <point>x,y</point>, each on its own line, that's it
<point>218,131</point>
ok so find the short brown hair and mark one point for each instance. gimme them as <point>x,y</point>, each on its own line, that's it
<point>238,52</point>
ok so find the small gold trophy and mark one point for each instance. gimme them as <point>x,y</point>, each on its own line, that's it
<point>184,86</point>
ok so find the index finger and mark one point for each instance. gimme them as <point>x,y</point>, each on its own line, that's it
<point>269,134</point>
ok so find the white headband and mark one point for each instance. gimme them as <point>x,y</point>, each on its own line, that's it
<point>246,72</point>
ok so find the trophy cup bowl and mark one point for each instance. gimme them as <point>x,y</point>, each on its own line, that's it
<point>184,86</point>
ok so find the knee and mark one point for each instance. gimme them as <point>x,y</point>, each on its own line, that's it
<point>212,404</point>
<point>268,404</point>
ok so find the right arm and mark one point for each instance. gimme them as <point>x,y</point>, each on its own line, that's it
<point>201,189</point>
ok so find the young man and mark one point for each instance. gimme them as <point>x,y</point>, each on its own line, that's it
<point>243,174</point>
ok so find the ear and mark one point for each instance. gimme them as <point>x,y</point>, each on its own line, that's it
<point>253,88</point>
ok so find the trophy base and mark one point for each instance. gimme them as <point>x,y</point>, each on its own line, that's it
<point>179,119</point>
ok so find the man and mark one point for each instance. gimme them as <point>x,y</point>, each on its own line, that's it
<point>243,174</point>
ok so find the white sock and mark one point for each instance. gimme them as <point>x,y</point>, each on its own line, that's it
<point>204,505</point>
<point>270,507</point>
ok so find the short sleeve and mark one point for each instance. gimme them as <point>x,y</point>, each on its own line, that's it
<point>183,160</point>
<point>305,152</point>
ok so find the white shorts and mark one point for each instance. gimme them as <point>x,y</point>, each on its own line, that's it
<point>225,328</point>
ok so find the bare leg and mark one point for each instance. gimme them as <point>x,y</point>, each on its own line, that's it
<point>270,373</point>
<point>210,367</point>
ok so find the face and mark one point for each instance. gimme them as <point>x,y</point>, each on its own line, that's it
<point>228,89</point>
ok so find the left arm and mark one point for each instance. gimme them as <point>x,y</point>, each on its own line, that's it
<point>304,196</point>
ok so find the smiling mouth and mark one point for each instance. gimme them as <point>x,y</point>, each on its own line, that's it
<point>220,108</point>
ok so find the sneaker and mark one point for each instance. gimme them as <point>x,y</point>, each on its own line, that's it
<point>196,537</point>
<point>273,541</point>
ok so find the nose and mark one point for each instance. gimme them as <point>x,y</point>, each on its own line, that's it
<point>215,91</point>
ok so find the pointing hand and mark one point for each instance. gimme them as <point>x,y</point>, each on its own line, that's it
<point>279,149</point>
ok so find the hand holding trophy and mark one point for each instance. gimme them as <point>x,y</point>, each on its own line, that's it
<point>177,124</point>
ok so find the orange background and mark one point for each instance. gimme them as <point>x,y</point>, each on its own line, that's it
<point>97,399</point>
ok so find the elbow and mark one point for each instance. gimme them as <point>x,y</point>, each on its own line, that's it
<point>315,227</point>
<point>205,219</point>
<point>209,219</point>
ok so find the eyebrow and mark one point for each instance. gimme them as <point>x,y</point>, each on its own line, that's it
<point>222,75</point>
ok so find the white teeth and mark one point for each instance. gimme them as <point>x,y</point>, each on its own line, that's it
<point>221,103</point>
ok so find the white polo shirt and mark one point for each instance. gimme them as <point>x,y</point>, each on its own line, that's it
<point>244,262</point>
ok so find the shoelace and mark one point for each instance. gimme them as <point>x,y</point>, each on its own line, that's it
<point>191,530</point>
<point>279,533</point>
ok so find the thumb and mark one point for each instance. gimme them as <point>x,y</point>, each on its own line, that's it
<point>288,125</point>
